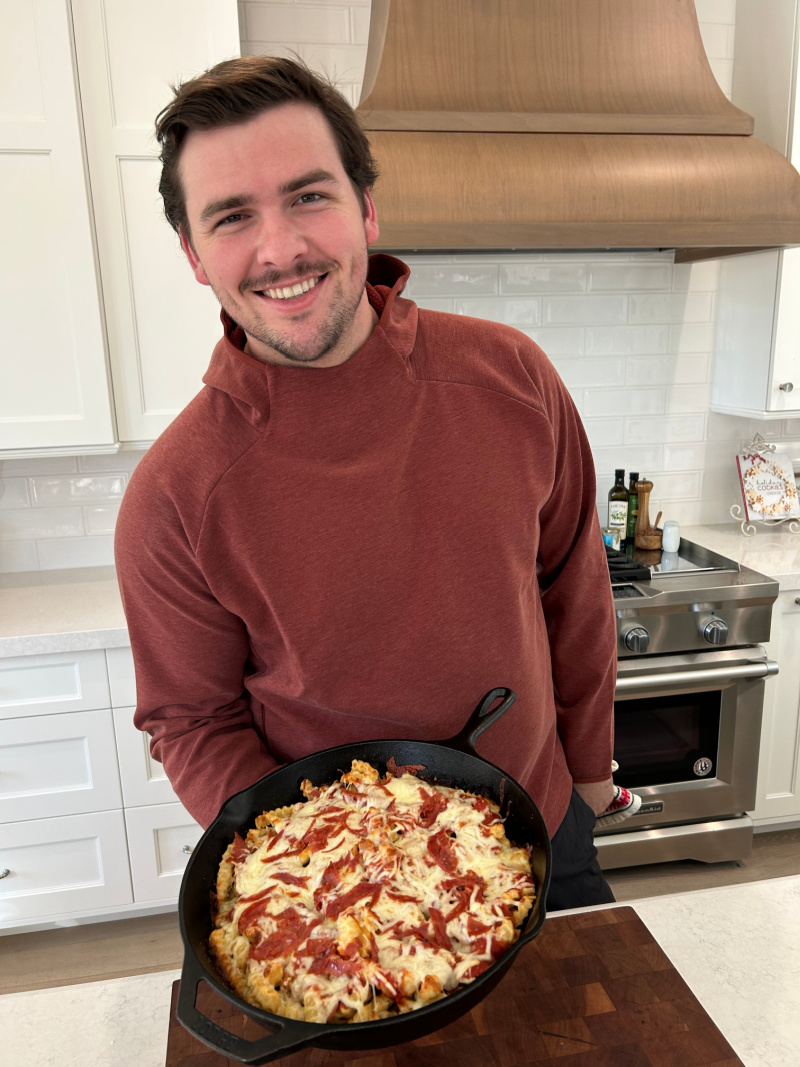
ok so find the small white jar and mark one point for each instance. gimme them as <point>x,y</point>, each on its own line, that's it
<point>671,537</point>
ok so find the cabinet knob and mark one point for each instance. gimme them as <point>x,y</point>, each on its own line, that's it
<point>786,387</point>
<point>187,850</point>
<point>5,872</point>
<point>797,600</point>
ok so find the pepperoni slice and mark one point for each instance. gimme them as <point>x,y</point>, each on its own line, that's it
<point>352,897</point>
<point>291,879</point>
<point>240,849</point>
<point>441,849</point>
<point>440,935</point>
<point>432,806</point>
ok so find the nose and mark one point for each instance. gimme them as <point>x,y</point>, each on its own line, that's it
<point>280,242</point>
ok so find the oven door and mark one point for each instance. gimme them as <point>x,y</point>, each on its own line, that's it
<point>687,733</point>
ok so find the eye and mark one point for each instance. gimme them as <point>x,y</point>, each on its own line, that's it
<point>310,198</point>
<point>230,219</point>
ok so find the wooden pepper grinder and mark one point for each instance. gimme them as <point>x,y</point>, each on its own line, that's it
<point>642,537</point>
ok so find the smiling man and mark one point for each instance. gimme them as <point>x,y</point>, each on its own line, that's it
<point>371,514</point>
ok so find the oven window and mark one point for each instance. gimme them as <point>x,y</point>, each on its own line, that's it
<point>660,739</point>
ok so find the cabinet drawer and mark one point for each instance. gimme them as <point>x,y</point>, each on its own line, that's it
<point>144,780</point>
<point>160,841</point>
<point>58,765</point>
<point>60,681</point>
<point>75,863</point>
<point>121,678</point>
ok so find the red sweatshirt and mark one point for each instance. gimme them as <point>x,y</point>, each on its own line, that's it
<point>313,556</point>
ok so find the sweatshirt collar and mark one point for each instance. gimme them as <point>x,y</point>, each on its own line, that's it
<point>244,378</point>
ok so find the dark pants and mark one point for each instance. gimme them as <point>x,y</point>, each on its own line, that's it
<point>576,880</point>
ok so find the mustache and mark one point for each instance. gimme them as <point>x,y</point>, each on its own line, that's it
<point>274,279</point>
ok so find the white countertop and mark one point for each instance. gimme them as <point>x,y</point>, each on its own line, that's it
<point>73,610</point>
<point>737,947</point>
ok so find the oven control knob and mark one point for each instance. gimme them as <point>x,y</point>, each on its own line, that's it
<point>716,632</point>
<point>637,639</point>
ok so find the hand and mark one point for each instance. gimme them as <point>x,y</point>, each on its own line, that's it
<point>598,795</point>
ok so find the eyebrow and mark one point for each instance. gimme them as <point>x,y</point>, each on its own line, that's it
<point>231,203</point>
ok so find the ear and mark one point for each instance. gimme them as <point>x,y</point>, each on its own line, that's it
<point>194,261</point>
<point>370,218</point>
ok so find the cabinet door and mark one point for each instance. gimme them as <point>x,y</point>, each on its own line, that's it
<point>58,765</point>
<point>784,385</point>
<point>56,866</point>
<point>160,841</point>
<point>53,682</point>
<point>55,391</point>
<point>778,791</point>
<point>162,325</point>
<point>144,780</point>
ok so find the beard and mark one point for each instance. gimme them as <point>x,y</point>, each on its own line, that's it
<point>341,313</point>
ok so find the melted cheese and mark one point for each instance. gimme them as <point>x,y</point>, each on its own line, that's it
<point>373,897</point>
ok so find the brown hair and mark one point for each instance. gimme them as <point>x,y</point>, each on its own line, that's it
<point>235,91</point>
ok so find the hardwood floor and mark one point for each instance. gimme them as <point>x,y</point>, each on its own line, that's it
<point>139,946</point>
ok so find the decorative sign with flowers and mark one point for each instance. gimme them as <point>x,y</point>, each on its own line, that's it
<point>768,486</point>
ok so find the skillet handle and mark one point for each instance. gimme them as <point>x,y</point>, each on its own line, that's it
<point>290,1036</point>
<point>481,719</point>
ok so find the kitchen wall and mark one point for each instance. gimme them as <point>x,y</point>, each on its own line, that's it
<point>632,336</point>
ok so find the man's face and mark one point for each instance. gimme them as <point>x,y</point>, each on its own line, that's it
<point>279,234</point>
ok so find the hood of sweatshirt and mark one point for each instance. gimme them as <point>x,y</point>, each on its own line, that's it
<point>248,381</point>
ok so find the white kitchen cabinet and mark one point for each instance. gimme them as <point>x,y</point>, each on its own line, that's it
<point>778,791</point>
<point>95,291</point>
<point>53,682</point>
<point>757,365</point>
<point>144,780</point>
<point>54,866</point>
<point>160,841</point>
<point>162,325</point>
<point>58,765</point>
<point>55,388</point>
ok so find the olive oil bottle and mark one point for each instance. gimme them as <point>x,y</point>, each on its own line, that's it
<point>618,506</point>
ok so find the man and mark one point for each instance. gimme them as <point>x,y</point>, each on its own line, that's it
<point>372,514</point>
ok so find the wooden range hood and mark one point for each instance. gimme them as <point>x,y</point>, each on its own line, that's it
<point>563,124</point>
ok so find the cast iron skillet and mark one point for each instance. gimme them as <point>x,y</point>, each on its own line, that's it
<point>452,762</point>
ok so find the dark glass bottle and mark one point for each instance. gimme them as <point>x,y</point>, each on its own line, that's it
<point>633,506</point>
<point>618,506</point>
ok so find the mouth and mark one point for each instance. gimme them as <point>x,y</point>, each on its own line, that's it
<point>291,292</point>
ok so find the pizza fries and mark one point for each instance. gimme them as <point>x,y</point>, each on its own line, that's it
<point>371,898</point>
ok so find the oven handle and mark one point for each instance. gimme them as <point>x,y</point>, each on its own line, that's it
<point>761,669</point>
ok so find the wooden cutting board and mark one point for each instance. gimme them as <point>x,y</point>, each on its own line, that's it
<point>592,990</point>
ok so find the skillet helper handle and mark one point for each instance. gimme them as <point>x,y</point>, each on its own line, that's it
<point>289,1037</point>
<point>484,716</point>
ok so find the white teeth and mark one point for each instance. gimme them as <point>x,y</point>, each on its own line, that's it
<point>292,290</point>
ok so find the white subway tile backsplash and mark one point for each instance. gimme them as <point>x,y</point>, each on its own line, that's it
<point>558,341</point>
<point>688,398</point>
<point>646,459</point>
<point>625,277</point>
<point>17,556</point>
<point>318,23</point>
<point>48,491</point>
<point>516,312</point>
<point>452,279</point>
<point>433,303</point>
<point>696,277</point>
<point>722,69</point>
<point>43,465</point>
<point>126,460</point>
<point>597,310</point>
<point>522,277</point>
<point>586,373</point>
<point>715,39</point>
<point>624,340</point>
<point>76,552</point>
<point>624,402</point>
<point>13,493</point>
<point>704,456</point>
<point>664,428</point>
<point>667,486</point>
<point>692,337</point>
<point>40,522</point>
<point>101,520</point>
<point>716,11</point>
<point>670,307</point>
<point>342,62</point>
<point>664,370</point>
<point>604,432</point>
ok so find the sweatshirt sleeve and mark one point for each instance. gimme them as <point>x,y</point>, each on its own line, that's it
<point>190,655</point>
<point>576,594</point>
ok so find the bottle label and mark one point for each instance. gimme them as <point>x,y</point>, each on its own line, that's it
<point>618,513</point>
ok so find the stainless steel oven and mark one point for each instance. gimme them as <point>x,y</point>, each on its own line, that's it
<point>688,703</point>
